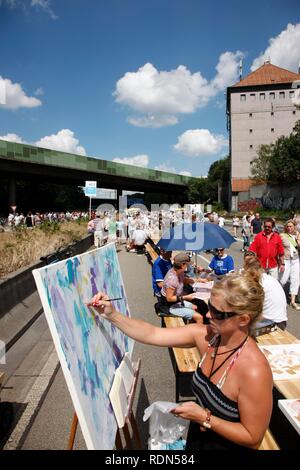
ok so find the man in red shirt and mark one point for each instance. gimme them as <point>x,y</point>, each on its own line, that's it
<point>269,249</point>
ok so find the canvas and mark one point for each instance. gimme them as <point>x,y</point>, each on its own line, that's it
<point>89,348</point>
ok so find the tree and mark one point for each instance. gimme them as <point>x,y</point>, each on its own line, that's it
<point>261,165</point>
<point>219,171</point>
<point>279,163</point>
<point>206,189</point>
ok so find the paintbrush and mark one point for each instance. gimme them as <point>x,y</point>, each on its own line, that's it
<point>106,300</point>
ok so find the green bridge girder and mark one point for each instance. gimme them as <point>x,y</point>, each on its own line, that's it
<point>29,161</point>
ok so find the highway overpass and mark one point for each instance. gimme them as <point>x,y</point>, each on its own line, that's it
<point>23,161</point>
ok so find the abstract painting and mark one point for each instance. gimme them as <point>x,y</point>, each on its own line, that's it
<point>284,360</point>
<point>90,349</point>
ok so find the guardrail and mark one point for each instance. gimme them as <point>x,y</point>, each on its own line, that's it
<point>16,286</point>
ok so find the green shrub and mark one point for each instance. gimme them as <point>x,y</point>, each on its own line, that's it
<point>49,227</point>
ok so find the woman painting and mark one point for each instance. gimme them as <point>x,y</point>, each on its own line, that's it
<point>233,382</point>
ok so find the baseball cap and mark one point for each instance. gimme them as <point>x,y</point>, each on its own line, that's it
<point>182,258</point>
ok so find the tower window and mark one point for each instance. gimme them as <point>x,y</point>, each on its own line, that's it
<point>252,96</point>
<point>251,146</point>
<point>281,95</point>
<point>250,114</point>
<point>294,112</point>
<point>243,97</point>
<point>272,113</point>
<point>272,129</point>
<point>250,130</point>
<point>272,96</point>
<point>291,94</point>
<point>262,96</point>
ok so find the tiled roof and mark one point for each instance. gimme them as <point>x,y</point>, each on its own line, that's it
<point>268,74</point>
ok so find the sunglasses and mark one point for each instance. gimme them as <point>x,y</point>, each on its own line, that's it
<point>218,314</point>
<point>220,249</point>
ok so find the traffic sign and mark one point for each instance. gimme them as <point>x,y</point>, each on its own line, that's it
<point>90,191</point>
<point>91,184</point>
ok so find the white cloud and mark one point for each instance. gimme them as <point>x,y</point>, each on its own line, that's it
<point>170,169</point>
<point>25,4</point>
<point>283,50</point>
<point>14,97</point>
<point>160,96</point>
<point>198,142</point>
<point>137,160</point>
<point>165,167</point>
<point>13,138</point>
<point>152,120</point>
<point>39,91</point>
<point>44,5</point>
<point>63,141</point>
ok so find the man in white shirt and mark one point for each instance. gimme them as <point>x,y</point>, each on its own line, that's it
<point>275,305</point>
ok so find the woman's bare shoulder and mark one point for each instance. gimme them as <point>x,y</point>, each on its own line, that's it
<point>202,335</point>
<point>253,364</point>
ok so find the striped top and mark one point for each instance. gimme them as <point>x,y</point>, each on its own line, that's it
<point>210,395</point>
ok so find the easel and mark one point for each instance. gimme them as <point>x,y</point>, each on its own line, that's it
<point>123,433</point>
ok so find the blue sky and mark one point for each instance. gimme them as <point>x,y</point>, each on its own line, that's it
<point>139,81</point>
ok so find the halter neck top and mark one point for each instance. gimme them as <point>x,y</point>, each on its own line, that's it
<point>210,395</point>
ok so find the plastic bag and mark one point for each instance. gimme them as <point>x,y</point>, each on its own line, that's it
<point>166,430</point>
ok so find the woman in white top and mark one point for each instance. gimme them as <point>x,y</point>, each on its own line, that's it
<point>291,244</point>
<point>274,306</point>
<point>235,225</point>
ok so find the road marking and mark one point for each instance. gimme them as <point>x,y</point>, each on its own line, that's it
<point>33,402</point>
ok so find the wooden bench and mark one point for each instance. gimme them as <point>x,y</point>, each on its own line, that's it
<point>152,254</point>
<point>1,379</point>
<point>184,361</point>
<point>268,442</point>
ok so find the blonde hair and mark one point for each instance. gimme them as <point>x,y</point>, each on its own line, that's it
<point>242,293</point>
<point>253,267</point>
<point>290,221</point>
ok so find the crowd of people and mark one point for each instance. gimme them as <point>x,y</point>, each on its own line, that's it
<point>33,219</point>
<point>233,372</point>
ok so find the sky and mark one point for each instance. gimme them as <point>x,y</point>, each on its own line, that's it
<point>135,81</point>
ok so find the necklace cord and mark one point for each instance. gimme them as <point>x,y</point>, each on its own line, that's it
<point>232,351</point>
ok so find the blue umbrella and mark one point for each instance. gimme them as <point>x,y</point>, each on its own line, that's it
<point>195,237</point>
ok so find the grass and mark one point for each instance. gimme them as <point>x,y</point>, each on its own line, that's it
<point>23,246</point>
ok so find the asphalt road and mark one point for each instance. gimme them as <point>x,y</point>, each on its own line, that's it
<point>51,426</point>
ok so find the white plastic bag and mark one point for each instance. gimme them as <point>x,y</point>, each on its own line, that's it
<point>166,430</point>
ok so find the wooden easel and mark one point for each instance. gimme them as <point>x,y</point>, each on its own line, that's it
<point>131,438</point>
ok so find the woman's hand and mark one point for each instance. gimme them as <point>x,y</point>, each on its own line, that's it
<point>191,411</point>
<point>100,303</point>
<point>189,296</point>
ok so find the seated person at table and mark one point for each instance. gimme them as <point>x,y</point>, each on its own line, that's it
<point>221,263</point>
<point>172,295</point>
<point>139,237</point>
<point>233,383</point>
<point>274,307</point>
<point>160,267</point>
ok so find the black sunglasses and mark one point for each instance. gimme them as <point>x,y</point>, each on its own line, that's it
<point>218,314</point>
